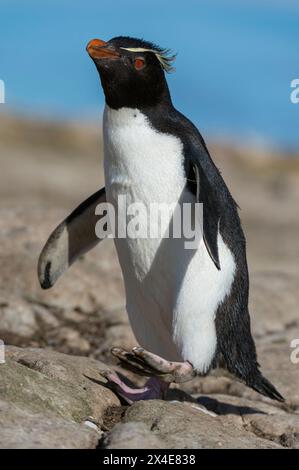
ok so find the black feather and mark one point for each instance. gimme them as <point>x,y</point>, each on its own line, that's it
<point>127,41</point>
<point>263,386</point>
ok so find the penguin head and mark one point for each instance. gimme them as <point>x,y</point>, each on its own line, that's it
<point>131,71</point>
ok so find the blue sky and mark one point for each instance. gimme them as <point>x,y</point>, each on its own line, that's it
<point>235,60</point>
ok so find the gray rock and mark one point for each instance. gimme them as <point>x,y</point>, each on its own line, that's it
<point>17,320</point>
<point>24,429</point>
<point>72,339</point>
<point>273,302</point>
<point>45,318</point>
<point>133,435</point>
<point>50,387</point>
<point>46,396</point>
<point>281,429</point>
<point>68,386</point>
<point>182,426</point>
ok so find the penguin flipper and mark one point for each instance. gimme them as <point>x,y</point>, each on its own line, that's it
<point>211,214</point>
<point>205,181</point>
<point>73,237</point>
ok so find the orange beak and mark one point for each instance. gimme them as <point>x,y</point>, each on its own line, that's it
<point>98,49</point>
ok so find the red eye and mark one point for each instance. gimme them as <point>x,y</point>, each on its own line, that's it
<point>139,63</point>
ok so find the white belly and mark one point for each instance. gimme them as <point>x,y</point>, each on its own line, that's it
<point>172,292</point>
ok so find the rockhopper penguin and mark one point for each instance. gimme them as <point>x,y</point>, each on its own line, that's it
<point>188,308</point>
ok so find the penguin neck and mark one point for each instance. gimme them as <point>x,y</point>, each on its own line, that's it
<point>157,98</point>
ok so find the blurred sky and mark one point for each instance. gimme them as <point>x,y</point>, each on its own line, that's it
<point>236,59</point>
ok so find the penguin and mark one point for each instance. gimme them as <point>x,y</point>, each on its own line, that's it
<point>188,308</point>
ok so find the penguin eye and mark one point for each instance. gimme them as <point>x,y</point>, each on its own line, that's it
<point>139,63</point>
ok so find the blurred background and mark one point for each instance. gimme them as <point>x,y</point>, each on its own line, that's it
<point>235,64</point>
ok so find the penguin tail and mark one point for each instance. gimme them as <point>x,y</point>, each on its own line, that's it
<point>261,385</point>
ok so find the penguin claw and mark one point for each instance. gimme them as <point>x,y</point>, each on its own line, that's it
<point>167,370</point>
<point>156,362</point>
<point>144,362</point>
<point>129,361</point>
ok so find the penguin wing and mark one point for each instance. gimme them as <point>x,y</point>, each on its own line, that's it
<point>210,190</point>
<point>72,238</point>
<point>211,212</point>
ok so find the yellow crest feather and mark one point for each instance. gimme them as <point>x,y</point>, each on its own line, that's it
<point>164,56</point>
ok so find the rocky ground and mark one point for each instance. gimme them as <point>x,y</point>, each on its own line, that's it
<point>52,393</point>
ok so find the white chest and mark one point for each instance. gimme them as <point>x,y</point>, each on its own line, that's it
<point>145,167</point>
<point>144,164</point>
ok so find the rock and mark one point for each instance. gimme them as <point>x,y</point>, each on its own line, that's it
<point>132,435</point>
<point>72,339</point>
<point>117,333</point>
<point>275,359</point>
<point>273,302</point>
<point>54,385</point>
<point>180,426</point>
<point>281,429</point>
<point>74,317</point>
<point>23,429</point>
<point>17,321</point>
<point>266,420</point>
<point>45,318</point>
<point>72,383</point>
<point>47,399</point>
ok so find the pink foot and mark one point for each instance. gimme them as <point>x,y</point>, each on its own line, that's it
<point>154,388</point>
<point>147,363</point>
